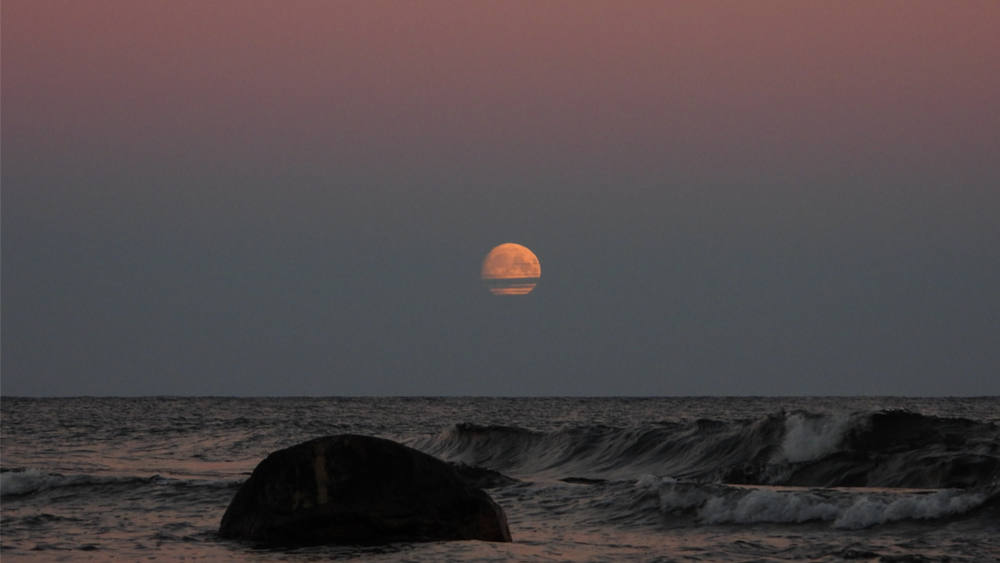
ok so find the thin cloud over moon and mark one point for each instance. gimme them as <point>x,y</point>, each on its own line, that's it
<point>511,269</point>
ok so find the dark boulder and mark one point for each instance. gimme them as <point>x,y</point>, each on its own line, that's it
<point>359,489</point>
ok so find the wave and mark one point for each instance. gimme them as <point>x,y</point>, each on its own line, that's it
<point>886,449</point>
<point>28,481</point>
<point>845,509</point>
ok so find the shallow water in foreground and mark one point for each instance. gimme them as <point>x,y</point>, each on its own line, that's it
<point>609,479</point>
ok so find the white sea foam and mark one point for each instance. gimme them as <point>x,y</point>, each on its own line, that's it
<point>808,438</point>
<point>848,510</point>
<point>867,511</point>
<point>767,506</point>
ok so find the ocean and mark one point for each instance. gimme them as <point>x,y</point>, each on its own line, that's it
<point>587,479</point>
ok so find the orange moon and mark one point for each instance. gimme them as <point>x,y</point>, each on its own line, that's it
<point>511,269</point>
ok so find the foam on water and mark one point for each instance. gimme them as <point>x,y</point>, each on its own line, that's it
<point>766,506</point>
<point>870,511</point>
<point>845,509</point>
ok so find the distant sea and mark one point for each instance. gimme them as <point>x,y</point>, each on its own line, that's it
<point>592,479</point>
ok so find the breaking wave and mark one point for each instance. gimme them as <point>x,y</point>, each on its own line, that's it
<point>845,509</point>
<point>885,449</point>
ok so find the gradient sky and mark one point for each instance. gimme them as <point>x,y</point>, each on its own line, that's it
<point>294,198</point>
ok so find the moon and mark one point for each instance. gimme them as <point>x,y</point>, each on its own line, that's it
<point>511,269</point>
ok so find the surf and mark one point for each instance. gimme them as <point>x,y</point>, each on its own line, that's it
<point>883,449</point>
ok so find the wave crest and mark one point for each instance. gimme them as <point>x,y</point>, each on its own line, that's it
<point>893,449</point>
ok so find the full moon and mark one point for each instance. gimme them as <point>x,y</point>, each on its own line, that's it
<point>511,269</point>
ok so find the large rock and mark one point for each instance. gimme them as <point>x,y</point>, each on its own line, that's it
<point>358,489</point>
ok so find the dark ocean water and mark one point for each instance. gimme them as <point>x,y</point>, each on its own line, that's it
<point>608,479</point>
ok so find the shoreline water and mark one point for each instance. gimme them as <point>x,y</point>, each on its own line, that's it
<point>710,479</point>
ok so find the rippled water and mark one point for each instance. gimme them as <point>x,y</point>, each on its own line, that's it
<point>610,479</point>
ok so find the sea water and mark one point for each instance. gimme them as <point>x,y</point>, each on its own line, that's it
<point>589,479</point>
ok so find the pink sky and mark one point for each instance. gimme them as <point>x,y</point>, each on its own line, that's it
<point>562,82</point>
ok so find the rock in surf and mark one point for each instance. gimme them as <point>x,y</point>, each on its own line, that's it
<point>359,489</point>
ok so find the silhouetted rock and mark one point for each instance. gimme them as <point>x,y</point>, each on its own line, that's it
<point>359,489</point>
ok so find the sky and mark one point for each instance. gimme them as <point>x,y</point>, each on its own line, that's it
<point>244,197</point>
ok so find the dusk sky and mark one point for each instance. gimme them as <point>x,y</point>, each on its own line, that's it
<point>295,198</point>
